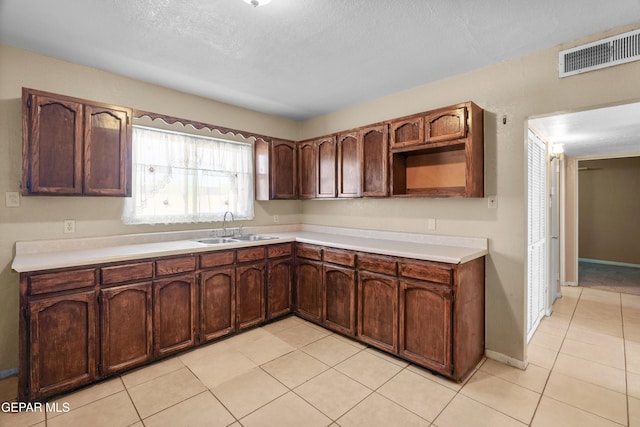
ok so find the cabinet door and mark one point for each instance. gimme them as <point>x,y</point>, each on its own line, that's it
<point>425,325</point>
<point>375,161</point>
<point>326,167</point>
<point>126,322</point>
<point>309,290</point>
<point>250,307</point>
<point>217,303</point>
<point>339,299</point>
<point>446,125</point>
<point>349,165</point>
<point>407,131</point>
<point>52,150</point>
<point>174,314</point>
<point>107,151</point>
<point>283,170</point>
<point>279,288</point>
<point>63,343</point>
<point>378,311</point>
<point>307,170</point>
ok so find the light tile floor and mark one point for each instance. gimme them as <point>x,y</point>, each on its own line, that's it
<point>584,371</point>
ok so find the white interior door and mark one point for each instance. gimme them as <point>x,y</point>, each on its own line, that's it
<point>537,277</point>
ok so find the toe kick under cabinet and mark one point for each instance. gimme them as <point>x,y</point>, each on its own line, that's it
<point>429,313</point>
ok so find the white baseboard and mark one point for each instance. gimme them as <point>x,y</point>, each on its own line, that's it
<point>600,261</point>
<point>570,284</point>
<point>8,373</point>
<point>507,360</point>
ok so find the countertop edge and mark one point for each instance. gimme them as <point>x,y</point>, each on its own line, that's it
<point>452,254</point>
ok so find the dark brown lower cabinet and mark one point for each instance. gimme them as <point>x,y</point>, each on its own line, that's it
<point>80,325</point>
<point>62,343</point>
<point>126,322</point>
<point>174,314</point>
<point>340,299</point>
<point>250,289</point>
<point>426,324</point>
<point>378,311</point>
<point>217,303</point>
<point>309,290</point>
<point>279,287</point>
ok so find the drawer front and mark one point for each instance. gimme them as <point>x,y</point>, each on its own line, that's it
<point>54,282</point>
<point>337,256</point>
<point>166,267</point>
<point>275,251</point>
<point>425,271</point>
<point>125,273</point>
<point>309,252</point>
<point>216,259</point>
<point>377,264</point>
<point>251,254</point>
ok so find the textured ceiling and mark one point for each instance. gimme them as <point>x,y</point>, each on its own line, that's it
<point>601,131</point>
<point>300,58</point>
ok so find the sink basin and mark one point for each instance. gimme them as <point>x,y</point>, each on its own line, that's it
<point>216,240</point>
<point>252,238</point>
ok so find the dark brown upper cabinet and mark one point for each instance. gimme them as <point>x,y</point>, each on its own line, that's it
<point>449,159</point>
<point>327,173</point>
<point>407,131</point>
<point>349,164</point>
<point>375,161</point>
<point>307,156</point>
<point>74,147</point>
<point>276,170</point>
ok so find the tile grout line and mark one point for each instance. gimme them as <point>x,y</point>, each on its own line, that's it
<point>564,337</point>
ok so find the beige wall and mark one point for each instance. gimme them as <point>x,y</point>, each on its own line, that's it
<point>521,88</point>
<point>41,217</point>
<point>609,202</point>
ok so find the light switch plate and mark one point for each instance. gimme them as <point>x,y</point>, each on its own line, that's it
<point>431,224</point>
<point>492,202</point>
<point>12,199</point>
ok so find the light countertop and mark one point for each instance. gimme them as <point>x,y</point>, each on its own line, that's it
<point>51,254</point>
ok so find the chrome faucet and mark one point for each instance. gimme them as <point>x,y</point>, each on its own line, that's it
<point>224,222</point>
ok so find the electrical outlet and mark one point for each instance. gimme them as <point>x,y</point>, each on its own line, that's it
<point>69,226</point>
<point>492,202</point>
<point>12,199</point>
<point>431,224</point>
<point>275,218</point>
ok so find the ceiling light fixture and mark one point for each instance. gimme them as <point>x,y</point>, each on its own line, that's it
<point>256,3</point>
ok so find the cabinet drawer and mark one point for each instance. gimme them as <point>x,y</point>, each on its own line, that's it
<point>309,252</point>
<point>425,271</point>
<point>166,267</point>
<point>216,259</point>
<point>377,264</point>
<point>125,273</point>
<point>275,251</point>
<point>337,256</point>
<point>251,254</point>
<point>54,282</point>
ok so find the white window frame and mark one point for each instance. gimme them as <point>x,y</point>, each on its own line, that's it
<point>179,178</point>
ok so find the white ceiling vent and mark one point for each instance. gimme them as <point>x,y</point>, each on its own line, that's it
<point>600,54</point>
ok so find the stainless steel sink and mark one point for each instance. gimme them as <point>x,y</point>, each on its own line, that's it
<point>253,238</point>
<point>236,239</point>
<point>216,240</point>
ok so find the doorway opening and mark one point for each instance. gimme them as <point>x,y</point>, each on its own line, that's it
<point>594,135</point>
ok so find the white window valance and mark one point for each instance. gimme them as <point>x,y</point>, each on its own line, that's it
<point>185,178</point>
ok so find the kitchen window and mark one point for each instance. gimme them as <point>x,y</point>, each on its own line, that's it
<point>184,178</point>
